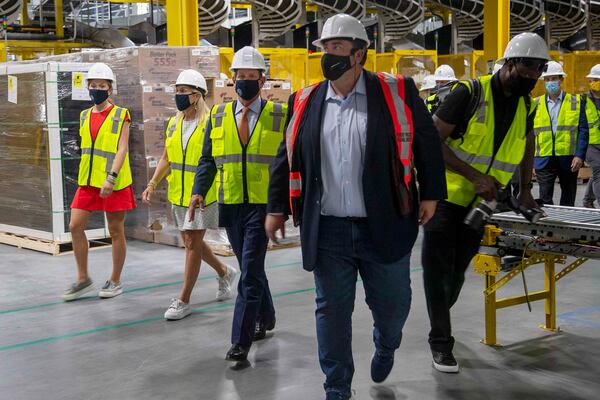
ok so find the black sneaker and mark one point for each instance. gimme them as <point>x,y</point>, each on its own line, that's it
<point>444,362</point>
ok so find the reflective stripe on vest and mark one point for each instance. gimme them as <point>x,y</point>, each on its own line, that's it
<point>476,147</point>
<point>98,155</point>
<point>244,170</point>
<point>393,91</point>
<point>300,102</point>
<point>563,142</point>
<point>593,119</point>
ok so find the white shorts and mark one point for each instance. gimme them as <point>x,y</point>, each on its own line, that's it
<point>207,219</point>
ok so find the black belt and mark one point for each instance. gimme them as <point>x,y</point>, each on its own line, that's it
<point>349,219</point>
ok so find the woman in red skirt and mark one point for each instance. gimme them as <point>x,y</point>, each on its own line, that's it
<point>104,181</point>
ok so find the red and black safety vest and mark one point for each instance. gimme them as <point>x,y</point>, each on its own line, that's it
<point>393,90</point>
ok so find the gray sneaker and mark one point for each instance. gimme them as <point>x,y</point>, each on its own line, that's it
<point>226,283</point>
<point>110,289</point>
<point>77,289</point>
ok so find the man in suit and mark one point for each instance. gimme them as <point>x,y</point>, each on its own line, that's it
<point>240,141</point>
<point>346,164</point>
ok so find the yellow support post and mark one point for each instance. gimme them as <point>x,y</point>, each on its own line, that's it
<point>550,287</point>
<point>496,20</point>
<point>490,312</point>
<point>182,23</point>
<point>2,52</point>
<point>24,15</point>
<point>59,21</point>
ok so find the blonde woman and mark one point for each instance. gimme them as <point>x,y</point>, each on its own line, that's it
<point>183,148</point>
<point>104,181</point>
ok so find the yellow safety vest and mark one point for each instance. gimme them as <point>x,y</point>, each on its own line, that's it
<point>431,102</point>
<point>564,141</point>
<point>184,162</point>
<point>593,119</point>
<point>243,171</point>
<point>476,148</point>
<point>97,156</point>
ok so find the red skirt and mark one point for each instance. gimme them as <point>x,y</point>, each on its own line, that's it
<point>88,198</point>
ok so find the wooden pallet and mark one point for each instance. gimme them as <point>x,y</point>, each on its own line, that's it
<point>225,250</point>
<point>47,246</point>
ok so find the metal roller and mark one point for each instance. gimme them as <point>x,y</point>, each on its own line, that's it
<point>9,9</point>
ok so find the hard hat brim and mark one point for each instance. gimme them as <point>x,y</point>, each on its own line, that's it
<point>319,42</point>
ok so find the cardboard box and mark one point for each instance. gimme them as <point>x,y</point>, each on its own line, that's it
<point>224,91</point>
<point>144,65</point>
<point>162,64</point>
<point>207,60</point>
<point>277,91</point>
<point>158,102</point>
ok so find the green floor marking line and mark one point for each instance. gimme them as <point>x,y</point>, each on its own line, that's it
<point>134,323</point>
<point>159,285</point>
<point>215,307</point>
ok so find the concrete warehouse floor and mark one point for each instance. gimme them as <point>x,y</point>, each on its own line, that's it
<point>123,349</point>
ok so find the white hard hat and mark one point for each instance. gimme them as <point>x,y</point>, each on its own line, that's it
<point>554,69</point>
<point>594,72</point>
<point>428,83</point>
<point>191,77</point>
<point>100,71</point>
<point>526,45</point>
<point>342,26</point>
<point>497,67</point>
<point>248,58</point>
<point>444,73</point>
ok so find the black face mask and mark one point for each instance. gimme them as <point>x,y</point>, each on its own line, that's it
<point>520,85</point>
<point>182,101</point>
<point>247,89</point>
<point>98,96</point>
<point>335,66</point>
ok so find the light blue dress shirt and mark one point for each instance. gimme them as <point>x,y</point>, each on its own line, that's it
<point>554,109</point>
<point>343,141</point>
<point>255,109</point>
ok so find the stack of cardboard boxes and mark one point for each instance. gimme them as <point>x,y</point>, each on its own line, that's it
<point>145,78</point>
<point>145,85</point>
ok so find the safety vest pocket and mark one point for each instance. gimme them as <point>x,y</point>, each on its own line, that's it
<point>270,142</point>
<point>477,133</point>
<point>218,141</point>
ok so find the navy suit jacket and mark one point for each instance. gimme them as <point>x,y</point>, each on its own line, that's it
<point>393,236</point>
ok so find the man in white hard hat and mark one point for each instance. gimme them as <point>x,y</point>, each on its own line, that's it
<point>592,110</point>
<point>347,168</point>
<point>487,128</point>
<point>444,79</point>
<point>427,87</point>
<point>241,140</point>
<point>561,137</point>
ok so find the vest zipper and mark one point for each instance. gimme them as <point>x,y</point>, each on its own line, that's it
<point>93,144</point>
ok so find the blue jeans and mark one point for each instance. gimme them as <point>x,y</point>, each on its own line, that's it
<point>345,250</point>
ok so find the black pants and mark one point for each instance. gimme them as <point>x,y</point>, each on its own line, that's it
<point>448,248</point>
<point>568,183</point>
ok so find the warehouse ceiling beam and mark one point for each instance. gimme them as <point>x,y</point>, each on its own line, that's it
<point>182,23</point>
<point>496,20</point>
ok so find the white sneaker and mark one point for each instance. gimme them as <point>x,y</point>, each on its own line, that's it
<point>110,289</point>
<point>177,310</point>
<point>225,284</point>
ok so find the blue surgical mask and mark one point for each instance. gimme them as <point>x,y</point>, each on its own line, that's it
<point>553,87</point>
